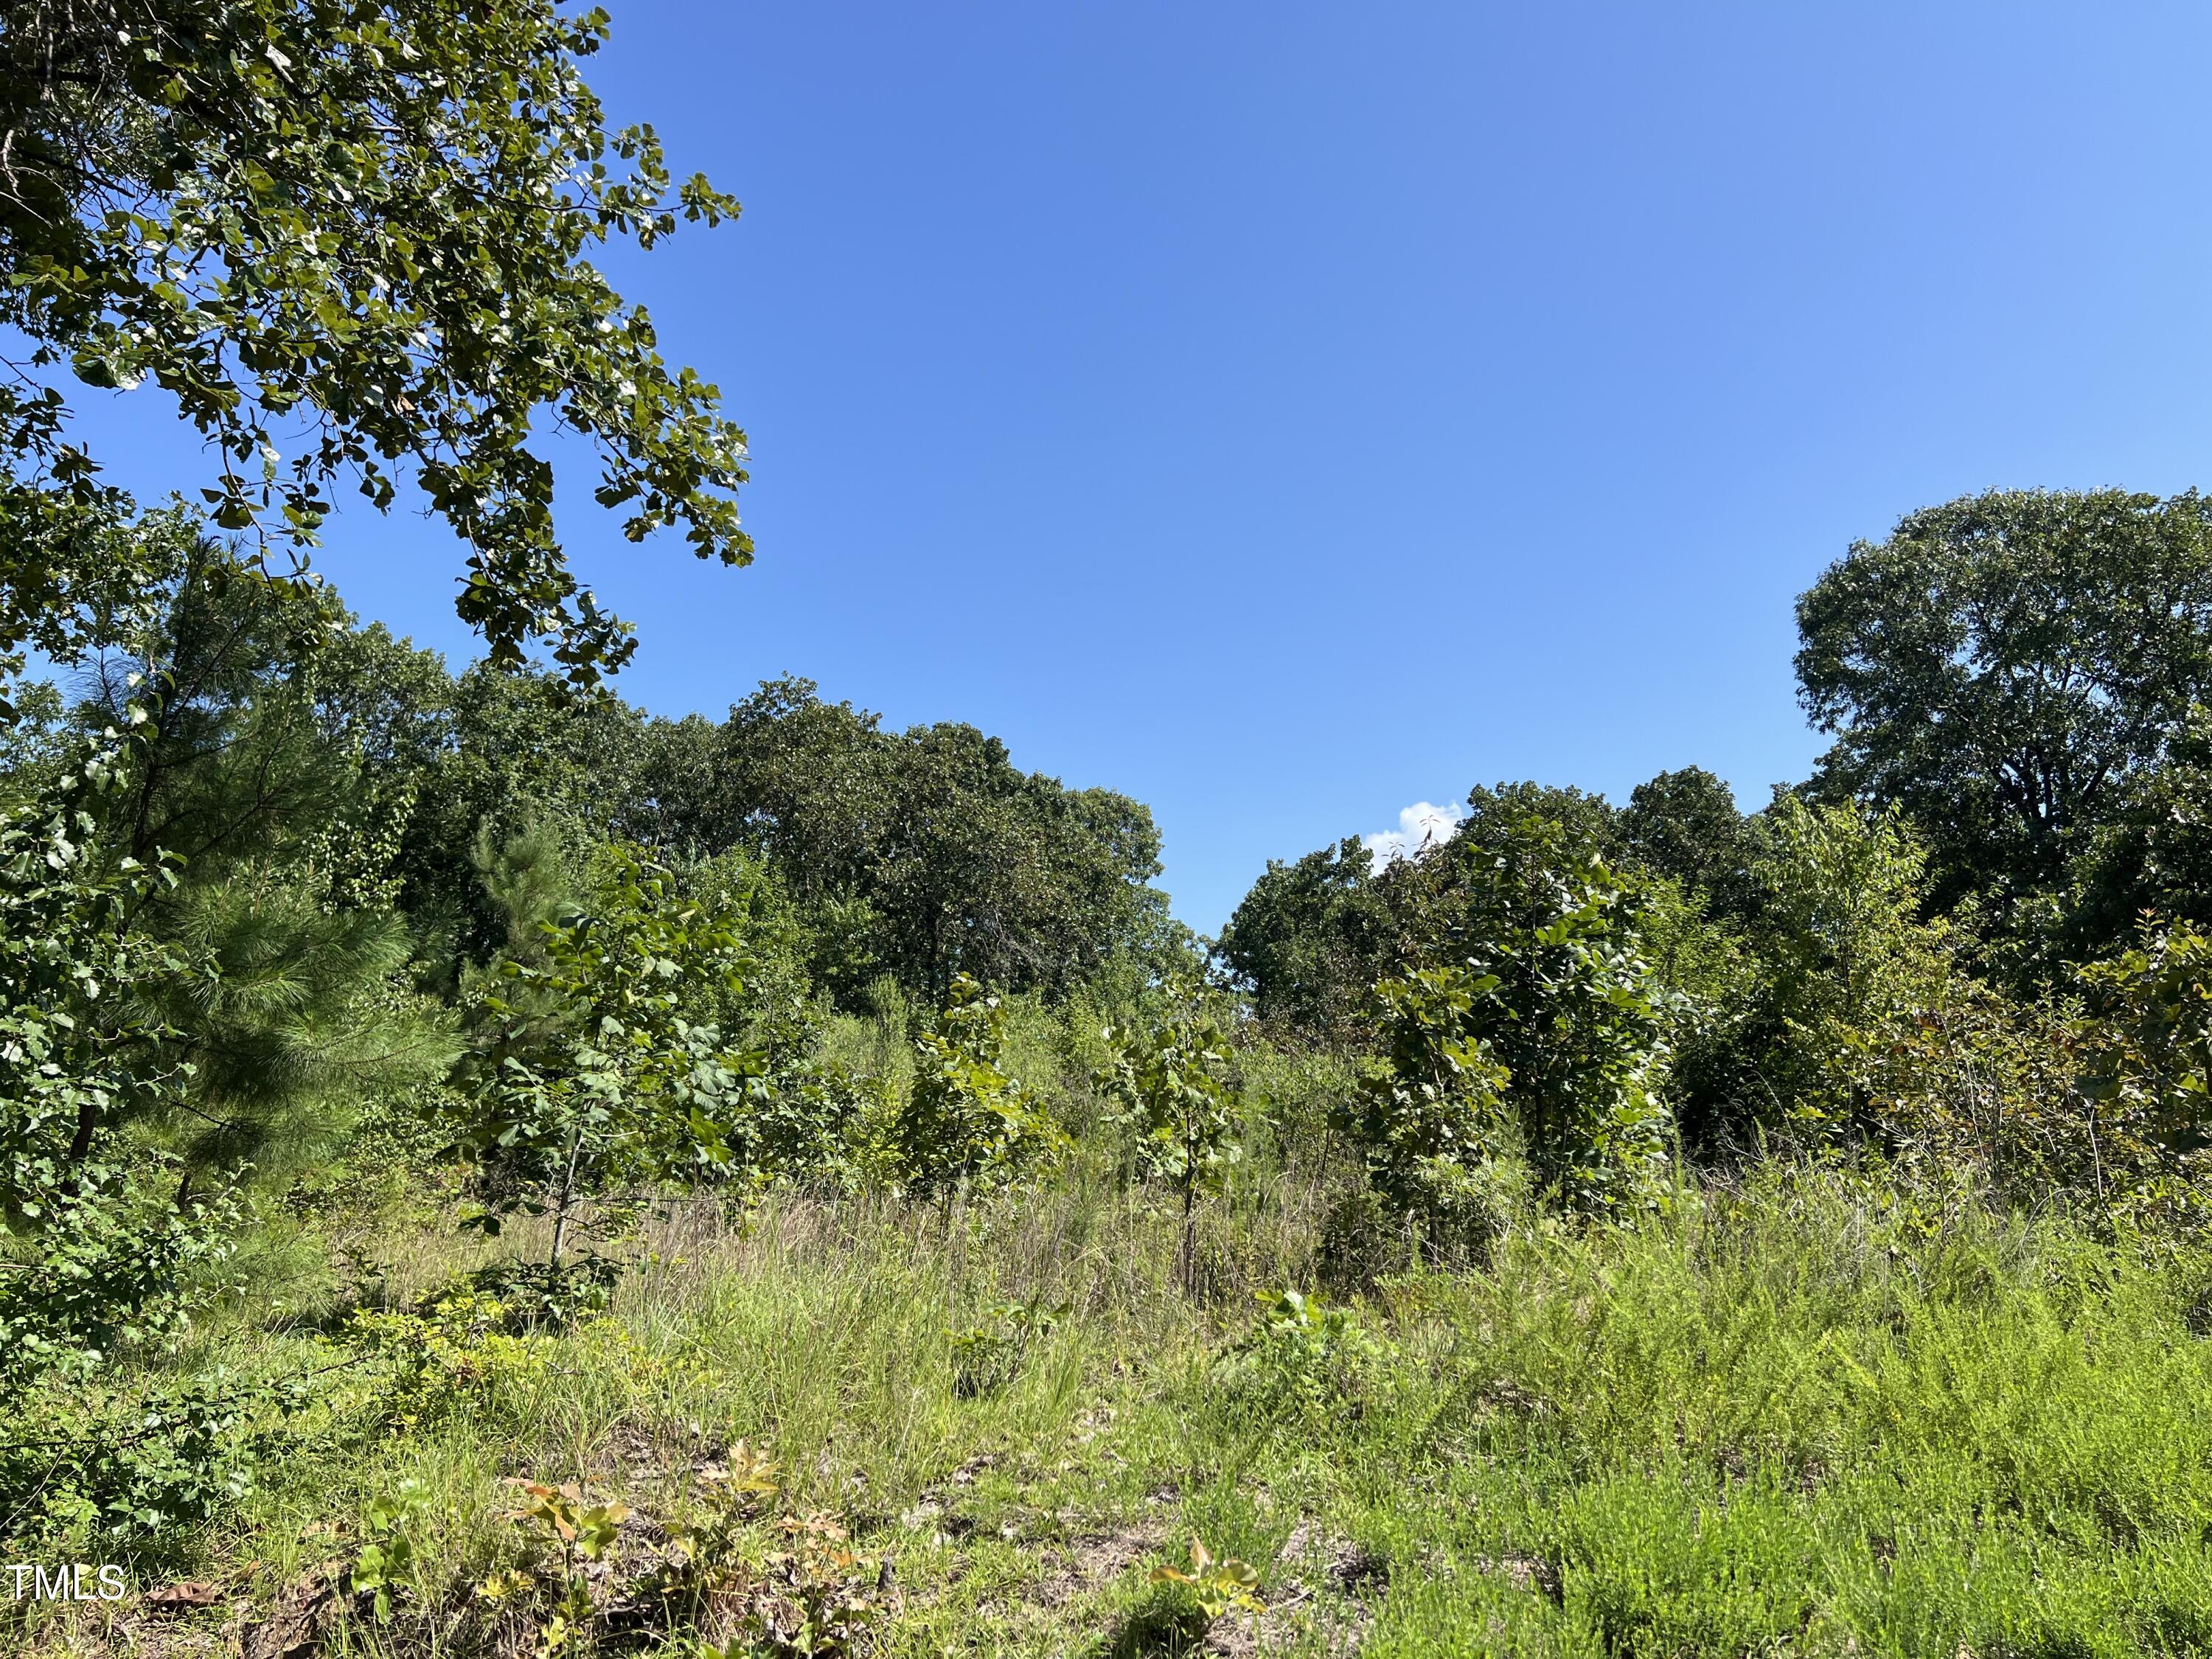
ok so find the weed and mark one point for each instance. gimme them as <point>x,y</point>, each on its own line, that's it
<point>1299,1353</point>
<point>987,1356</point>
<point>390,1556</point>
<point>819,1600</point>
<point>562,1533</point>
<point>706,1566</point>
<point>1218,1584</point>
<point>457,1348</point>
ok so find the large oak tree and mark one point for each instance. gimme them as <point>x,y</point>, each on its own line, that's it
<point>2008,668</point>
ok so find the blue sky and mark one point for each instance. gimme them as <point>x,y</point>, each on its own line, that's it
<point>1287,413</point>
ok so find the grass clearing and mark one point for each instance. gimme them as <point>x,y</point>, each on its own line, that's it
<point>1799,1417</point>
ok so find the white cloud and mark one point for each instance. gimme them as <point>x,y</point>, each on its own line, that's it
<point>1421,825</point>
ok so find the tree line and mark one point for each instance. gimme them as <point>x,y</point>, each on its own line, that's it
<point>1975,929</point>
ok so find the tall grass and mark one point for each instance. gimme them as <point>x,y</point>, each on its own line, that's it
<point>1810,1413</point>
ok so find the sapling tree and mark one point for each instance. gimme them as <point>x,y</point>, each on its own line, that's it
<point>1838,954</point>
<point>601,1075</point>
<point>1549,1007</point>
<point>966,1122</point>
<point>1433,1125</point>
<point>1572,1011</point>
<point>1174,1077</point>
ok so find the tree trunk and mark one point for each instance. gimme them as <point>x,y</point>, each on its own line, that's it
<point>1187,1268</point>
<point>567,1196</point>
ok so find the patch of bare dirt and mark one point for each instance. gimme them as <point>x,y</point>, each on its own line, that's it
<point>1096,1559</point>
<point>297,1621</point>
<point>1323,1585</point>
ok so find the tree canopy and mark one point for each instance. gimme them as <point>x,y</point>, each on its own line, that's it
<point>351,239</point>
<point>1312,938</point>
<point>2006,668</point>
<point>927,853</point>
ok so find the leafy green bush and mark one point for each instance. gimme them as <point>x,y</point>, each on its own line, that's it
<point>1218,1584</point>
<point>1551,1041</point>
<point>390,1557</point>
<point>965,1123</point>
<point>461,1349</point>
<point>1574,1014</point>
<point>2147,1079</point>
<point>1842,951</point>
<point>1300,1355</point>
<point>1433,1125</point>
<point>1879,1035</point>
<point>549,1295</point>
<point>126,1463</point>
<point>100,1236</point>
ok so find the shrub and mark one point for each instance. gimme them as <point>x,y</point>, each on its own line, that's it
<point>1433,1125</point>
<point>606,1074</point>
<point>965,1123</point>
<point>1299,1355</point>
<point>2147,1048</point>
<point>1559,996</point>
<point>118,1466</point>
<point>460,1348</point>
<point>989,1355</point>
<point>1842,953</point>
<point>389,1558</point>
<point>1218,1584</point>
<point>99,1235</point>
<point>1963,1078</point>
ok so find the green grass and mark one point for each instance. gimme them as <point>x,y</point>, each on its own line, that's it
<point>1803,1417</point>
